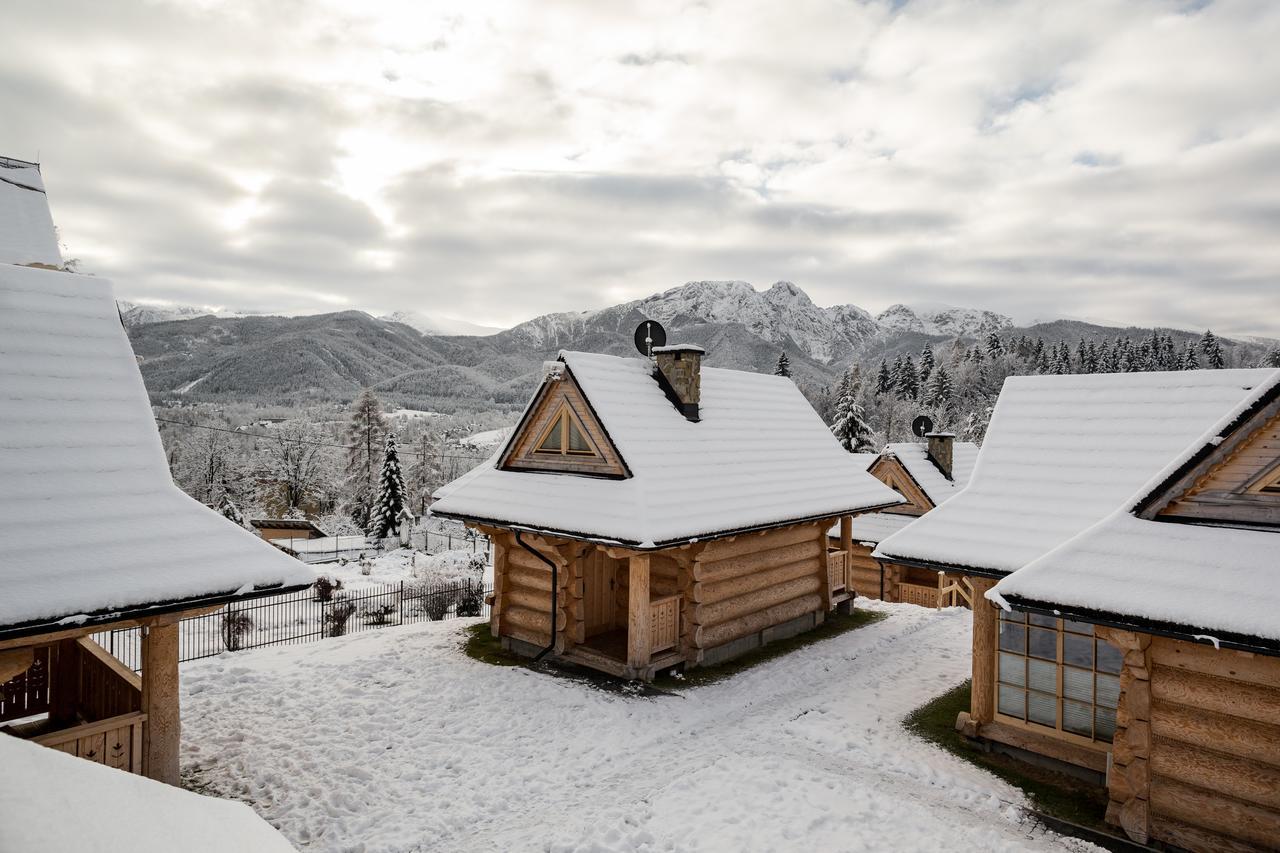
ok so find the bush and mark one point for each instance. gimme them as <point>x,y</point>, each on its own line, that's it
<point>471,599</point>
<point>325,587</point>
<point>236,625</point>
<point>336,617</point>
<point>377,614</point>
<point>439,602</point>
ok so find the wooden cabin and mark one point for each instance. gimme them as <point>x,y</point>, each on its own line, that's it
<point>286,529</point>
<point>1128,523</point>
<point>926,475</point>
<point>79,451</point>
<point>649,514</point>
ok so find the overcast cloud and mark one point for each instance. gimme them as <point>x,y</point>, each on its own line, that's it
<point>495,161</point>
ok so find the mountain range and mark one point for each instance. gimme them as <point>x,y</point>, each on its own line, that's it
<point>330,357</point>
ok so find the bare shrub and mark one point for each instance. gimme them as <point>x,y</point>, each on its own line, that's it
<point>325,587</point>
<point>336,617</point>
<point>236,625</point>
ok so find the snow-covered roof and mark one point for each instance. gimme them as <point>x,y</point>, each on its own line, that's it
<point>928,476</point>
<point>872,527</point>
<point>1063,452</point>
<point>760,456</point>
<point>26,228</point>
<point>89,515</point>
<point>1208,579</point>
<point>54,802</point>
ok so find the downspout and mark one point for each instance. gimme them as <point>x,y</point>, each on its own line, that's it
<point>881,564</point>
<point>555,584</point>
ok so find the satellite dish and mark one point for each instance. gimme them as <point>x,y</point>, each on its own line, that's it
<point>921,426</point>
<point>650,334</point>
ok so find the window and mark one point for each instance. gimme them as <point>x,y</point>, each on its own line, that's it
<point>564,437</point>
<point>1056,673</point>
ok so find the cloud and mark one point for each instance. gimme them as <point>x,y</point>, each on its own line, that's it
<point>1100,159</point>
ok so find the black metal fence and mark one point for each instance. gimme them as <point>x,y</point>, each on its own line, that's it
<point>308,615</point>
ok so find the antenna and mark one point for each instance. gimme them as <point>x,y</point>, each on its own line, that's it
<point>650,334</point>
<point>921,426</point>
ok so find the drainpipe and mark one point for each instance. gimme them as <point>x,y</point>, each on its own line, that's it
<point>555,584</point>
<point>881,563</point>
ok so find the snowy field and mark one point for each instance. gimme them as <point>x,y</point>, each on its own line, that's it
<point>395,741</point>
<point>404,564</point>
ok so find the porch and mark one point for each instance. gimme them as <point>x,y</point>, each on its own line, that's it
<point>70,694</point>
<point>610,650</point>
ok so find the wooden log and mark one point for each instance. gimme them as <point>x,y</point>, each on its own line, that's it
<point>982,704</point>
<point>15,662</point>
<point>752,623</point>
<point>1220,732</point>
<point>1136,693</point>
<point>1209,810</point>
<point>1187,837</point>
<point>747,564</point>
<point>1226,696</point>
<point>1042,741</point>
<point>1134,818</point>
<point>761,599</point>
<point>1224,663</point>
<point>1232,775</point>
<point>638,627</point>
<point>536,638</point>
<point>526,619</point>
<point>524,560</point>
<point>529,578</point>
<point>846,533</point>
<point>499,588</point>
<point>162,731</point>
<point>748,543</point>
<point>711,593</point>
<point>528,599</point>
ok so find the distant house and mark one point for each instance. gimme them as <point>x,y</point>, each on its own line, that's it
<point>81,465</point>
<point>926,475</point>
<point>27,235</point>
<point>1129,520</point>
<point>272,529</point>
<point>647,514</point>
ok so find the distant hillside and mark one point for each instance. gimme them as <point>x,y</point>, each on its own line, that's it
<point>330,357</point>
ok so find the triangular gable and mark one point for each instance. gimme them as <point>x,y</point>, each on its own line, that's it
<point>561,433</point>
<point>890,471</point>
<point>1237,482</point>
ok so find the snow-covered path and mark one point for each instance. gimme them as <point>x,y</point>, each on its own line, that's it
<point>395,741</point>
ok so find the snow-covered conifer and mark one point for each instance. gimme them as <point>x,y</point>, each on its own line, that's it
<point>385,519</point>
<point>1212,350</point>
<point>884,379</point>
<point>995,348</point>
<point>927,362</point>
<point>1190,358</point>
<point>783,367</point>
<point>364,437</point>
<point>229,511</point>
<point>850,427</point>
<point>940,389</point>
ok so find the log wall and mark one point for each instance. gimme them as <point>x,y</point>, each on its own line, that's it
<point>1196,757</point>
<point>864,572</point>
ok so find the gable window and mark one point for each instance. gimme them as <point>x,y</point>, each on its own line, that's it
<point>1055,673</point>
<point>564,437</point>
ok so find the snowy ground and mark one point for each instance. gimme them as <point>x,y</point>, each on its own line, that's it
<point>395,741</point>
<point>403,564</point>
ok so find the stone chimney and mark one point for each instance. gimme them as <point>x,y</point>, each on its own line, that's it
<point>680,365</point>
<point>941,445</point>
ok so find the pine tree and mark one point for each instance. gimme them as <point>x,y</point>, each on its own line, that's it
<point>995,348</point>
<point>940,388</point>
<point>850,426</point>
<point>783,368</point>
<point>229,511</point>
<point>364,438</point>
<point>385,520</point>
<point>1212,350</point>
<point>884,380</point>
<point>1190,359</point>
<point>1272,358</point>
<point>907,380</point>
<point>926,362</point>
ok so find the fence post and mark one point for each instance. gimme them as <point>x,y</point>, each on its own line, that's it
<point>400,609</point>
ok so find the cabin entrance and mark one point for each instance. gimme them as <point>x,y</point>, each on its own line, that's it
<point>600,595</point>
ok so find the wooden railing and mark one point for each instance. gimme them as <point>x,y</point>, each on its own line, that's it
<point>27,693</point>
<point>915,593</point>
<point>838,570</point>
<point>943,595</point>
<point>115,741</point>
<point>108,688</point>
<point>664,623</point>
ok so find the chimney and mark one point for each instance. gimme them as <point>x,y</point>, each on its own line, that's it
<point>680,371</point>
<point>940,447</point>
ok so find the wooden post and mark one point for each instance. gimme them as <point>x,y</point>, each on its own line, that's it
<point>846,534</point>
<point>162,731</point>
<point>982,705</point>
<point>638,640</point>
<point>64,697</point>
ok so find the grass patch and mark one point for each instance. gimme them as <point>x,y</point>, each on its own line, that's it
<point>1057,794</point>
<point>486,648</point>
<point>833,626</point>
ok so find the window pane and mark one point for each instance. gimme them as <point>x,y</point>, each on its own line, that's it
<point>1013,669</point>
<point>1104,724</point>
<point>1042,621</point>
<point>1077,650</point>
<point>1077,627</point>
<point>1108,691</point>
<point>1013,638</point>
<point>1077,718</point>
<point>1042,708</point>
<point>577,441</point>
<point>1042,676</point>
<point>1042,643</point>
<point>551,444</point>
<point>1012,616</point>
<point>1109,658</point>
<point>1013,701</point>
<point>1077,684</point>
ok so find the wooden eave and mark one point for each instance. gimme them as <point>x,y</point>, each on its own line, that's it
<point>919,501</point>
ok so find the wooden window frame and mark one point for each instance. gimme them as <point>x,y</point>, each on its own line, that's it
<point>564,418</point>
<point>1055,731</point>
<point>1265,482</point>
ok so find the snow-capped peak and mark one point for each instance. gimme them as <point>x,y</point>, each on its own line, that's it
<point>438,324</point>
<point>938,319</point>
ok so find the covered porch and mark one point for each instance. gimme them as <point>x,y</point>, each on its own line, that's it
<point>64,691</point>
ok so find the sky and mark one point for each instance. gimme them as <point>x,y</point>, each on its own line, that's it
<point>1099,159</point>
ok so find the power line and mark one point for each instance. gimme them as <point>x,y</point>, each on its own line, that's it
<point>247,434</point>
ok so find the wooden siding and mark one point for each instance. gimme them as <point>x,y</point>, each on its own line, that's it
<point>1197,748</point>
<point>864,571</point>
<point>1228,486</point>
<point>553,395</point>
<point>888,470</point>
